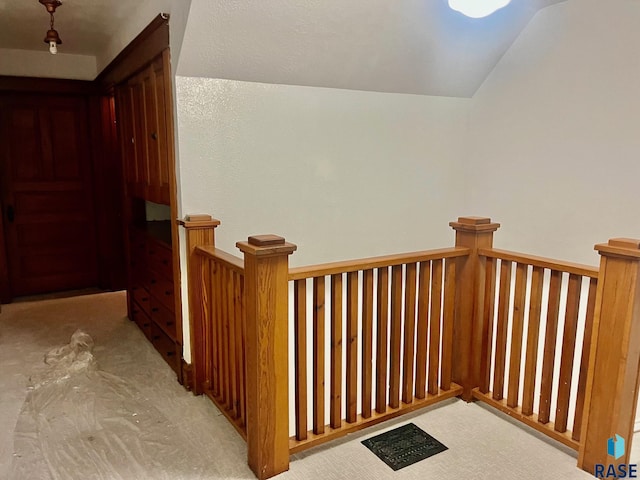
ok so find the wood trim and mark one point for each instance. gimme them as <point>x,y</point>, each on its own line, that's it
<point>346,266</point>
<point>559,265</point>
<point>330,434</point>
<point>149,43</point>
<point>529,420</point>
<point>231,261</point>
<point>47,86</point>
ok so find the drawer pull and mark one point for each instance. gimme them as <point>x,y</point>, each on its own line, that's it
<point>168,292</point>
<point>153,281</point>
<point>154,309</point>
<point>165,262</point>
<point>170,354</point>
<point>146,325</point>
<point>145,299</point>
<point>168,324</point>
<point>156,337</point>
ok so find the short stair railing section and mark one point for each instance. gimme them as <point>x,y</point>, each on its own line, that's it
<point>391,320</point>
<point>538,316</point>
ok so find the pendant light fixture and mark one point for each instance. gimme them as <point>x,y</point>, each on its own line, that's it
<point>52,38</point>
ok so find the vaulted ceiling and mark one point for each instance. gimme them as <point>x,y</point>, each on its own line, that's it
<point>401,46</point>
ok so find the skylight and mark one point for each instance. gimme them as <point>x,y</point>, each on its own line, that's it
<point>477,8</point>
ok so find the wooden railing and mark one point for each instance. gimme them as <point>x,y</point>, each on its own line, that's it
<point>530,308</point>
<point>223,326</point>
<point>555,345</point>
<point>398,310</point>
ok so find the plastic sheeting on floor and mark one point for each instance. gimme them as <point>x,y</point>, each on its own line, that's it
<point>82,423</point>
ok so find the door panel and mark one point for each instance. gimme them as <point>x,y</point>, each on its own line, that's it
<point>46,182</point>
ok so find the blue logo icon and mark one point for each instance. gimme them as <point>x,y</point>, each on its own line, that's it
<point>615,446</point>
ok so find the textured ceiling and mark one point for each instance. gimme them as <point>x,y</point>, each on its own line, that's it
<point>402,46</point>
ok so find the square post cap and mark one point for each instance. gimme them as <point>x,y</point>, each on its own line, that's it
<point>474,224</point>
<point>199,221</point>
<point>628,248</point>
<point>266,245</point>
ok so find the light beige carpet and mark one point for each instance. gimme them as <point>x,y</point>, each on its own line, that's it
<point>186,437</point>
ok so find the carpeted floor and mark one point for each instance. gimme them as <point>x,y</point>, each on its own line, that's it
<point>130,419</point>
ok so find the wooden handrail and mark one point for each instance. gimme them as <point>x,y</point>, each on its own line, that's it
<point>346,266</point>
<point>559,265</point>
<point>230,261</point>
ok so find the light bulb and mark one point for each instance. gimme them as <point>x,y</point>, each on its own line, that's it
<point>53,48</point>
<point>477,9</point>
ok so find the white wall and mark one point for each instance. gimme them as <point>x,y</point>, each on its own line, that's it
<point>554,139</point>
<point>31,63</point>
<point>341,173</point>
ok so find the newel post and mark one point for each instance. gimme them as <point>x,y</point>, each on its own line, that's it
<point>200,230</point>
<point>266,287</point>
<point>612,382</point>
<point>473,233</point>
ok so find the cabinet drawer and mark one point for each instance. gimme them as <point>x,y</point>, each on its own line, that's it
<point>159,259</point>
<point>142,298</point>
<point>141,319</point>
<point>163,317</point>
<point>162,289</point>
<point>165,346</point>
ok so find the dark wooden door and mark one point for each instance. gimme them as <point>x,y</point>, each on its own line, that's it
<point>46,193</point>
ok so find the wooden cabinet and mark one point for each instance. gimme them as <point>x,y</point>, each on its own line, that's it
<point>151,291</point>
<point>144,134</point>
<point>145,128</point>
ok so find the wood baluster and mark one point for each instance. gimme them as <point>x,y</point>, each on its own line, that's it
<point>224,320</point>
<point>208,339</point>
<point>584,360</point>
<point>233,378</point>
<point>434,326</point>
<point>396,336</point>
<point>240,351</point>
<point>488,311</point>
<point>409,333</point>
<point>215,315</point>
<point>550,337</point>
<point>568,351</point>
<point>352,348</point>
<point>335,405</point>
<point>533,336</point>
<point>424,291</point>
<point>382,336</point>
<point>517,329</point>
<point>367,341</point>
<point>448,323</point>
<point>318,355</point>
<point>300,356</point>
<point>501,331</point>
